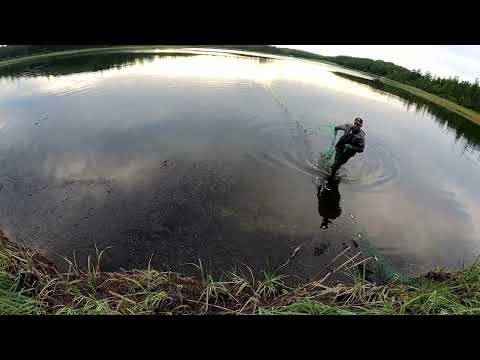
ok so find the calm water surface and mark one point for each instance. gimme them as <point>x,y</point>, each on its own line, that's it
<point>182,155</point>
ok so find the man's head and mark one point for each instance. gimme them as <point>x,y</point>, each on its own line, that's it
<point>357,124</point>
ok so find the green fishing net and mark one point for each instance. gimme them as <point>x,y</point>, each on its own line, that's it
<point>328,154</point>
<point>309,126</point>
<point>376,264</point>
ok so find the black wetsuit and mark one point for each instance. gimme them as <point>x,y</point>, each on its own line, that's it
<point>355,139</point>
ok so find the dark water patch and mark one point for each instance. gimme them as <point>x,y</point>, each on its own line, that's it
<point>62,65</point>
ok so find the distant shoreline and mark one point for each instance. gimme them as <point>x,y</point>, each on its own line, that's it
<point>459,109</point>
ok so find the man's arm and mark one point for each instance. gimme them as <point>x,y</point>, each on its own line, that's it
<point>360,146</point>
<point>341,127</point>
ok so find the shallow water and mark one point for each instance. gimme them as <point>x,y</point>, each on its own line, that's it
<point>206,155</point>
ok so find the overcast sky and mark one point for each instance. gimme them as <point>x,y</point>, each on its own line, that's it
<point>442,60</point>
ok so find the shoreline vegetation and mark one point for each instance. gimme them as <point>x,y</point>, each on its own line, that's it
<point>30,284</point>
<point>458,96</point>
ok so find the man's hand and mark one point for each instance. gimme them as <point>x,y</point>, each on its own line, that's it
<point>348,147</point>
<point>334,130</point>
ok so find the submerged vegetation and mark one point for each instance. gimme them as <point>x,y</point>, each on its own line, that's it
<point>31,284</point>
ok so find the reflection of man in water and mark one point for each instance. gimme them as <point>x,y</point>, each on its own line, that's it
<point>352,141</point>
<point>329,201</point>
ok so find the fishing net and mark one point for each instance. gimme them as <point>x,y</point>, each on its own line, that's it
<point>382,270</point>
<point>376,265</point>
<point>328,154</point>
<point>310,127</point>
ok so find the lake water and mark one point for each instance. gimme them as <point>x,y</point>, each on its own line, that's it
<point>175,156</point>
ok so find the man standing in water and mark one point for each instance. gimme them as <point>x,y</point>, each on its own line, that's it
<point>352,141</point>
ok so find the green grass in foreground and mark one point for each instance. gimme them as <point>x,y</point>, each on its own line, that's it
<point>30,284</point>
